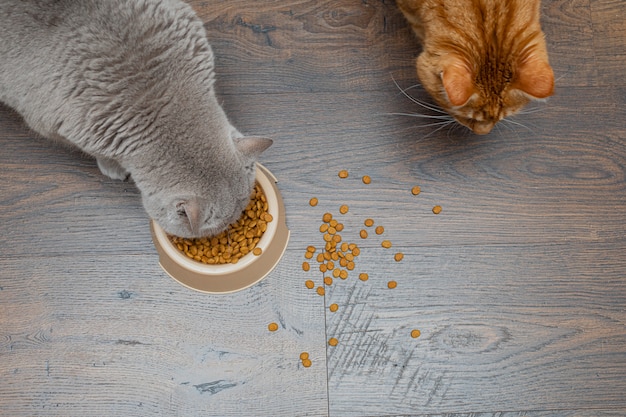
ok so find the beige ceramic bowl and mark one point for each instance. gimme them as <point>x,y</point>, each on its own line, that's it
<point>230,277</point>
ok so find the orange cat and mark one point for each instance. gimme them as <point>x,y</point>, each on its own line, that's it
<point>482,60</point>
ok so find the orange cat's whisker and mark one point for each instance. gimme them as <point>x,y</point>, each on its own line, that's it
<point>422,116</point>
<point>450,124</point>
<point>513,122</point>
<point>416,101</point>
<point>530,111</point>
<point>442,124</point>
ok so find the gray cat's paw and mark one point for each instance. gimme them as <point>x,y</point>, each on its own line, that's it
<point>112,169</point>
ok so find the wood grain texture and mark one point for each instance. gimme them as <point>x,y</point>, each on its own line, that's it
<point>609,19</point>
<point>518,287</point>
<point>90,336</point>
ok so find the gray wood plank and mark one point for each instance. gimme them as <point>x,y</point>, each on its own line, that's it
<point>516,327</point>
<point>609,19</point>
<point>533,413</point>
<point>87,335</point>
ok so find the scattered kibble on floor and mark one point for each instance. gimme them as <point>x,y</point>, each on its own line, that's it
<point>337,257</point>
<point>272,327</point>
<point>304,357</point>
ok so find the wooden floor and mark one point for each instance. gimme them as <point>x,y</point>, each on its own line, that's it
<point>518,287</point>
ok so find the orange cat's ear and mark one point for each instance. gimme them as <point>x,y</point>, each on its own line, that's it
<point>535,77</point>
<point>458,81</point>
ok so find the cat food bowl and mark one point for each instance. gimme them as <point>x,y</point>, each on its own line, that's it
<point>230,277</point>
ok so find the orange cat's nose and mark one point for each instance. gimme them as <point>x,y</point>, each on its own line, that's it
<point>482,128</point>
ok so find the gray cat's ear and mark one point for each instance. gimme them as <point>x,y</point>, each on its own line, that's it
<point>192,210</point>
<point>252,146</point>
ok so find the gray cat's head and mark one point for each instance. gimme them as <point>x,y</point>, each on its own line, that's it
<point>198,195</point>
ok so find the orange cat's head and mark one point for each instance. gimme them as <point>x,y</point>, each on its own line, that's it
<point>483,60</point>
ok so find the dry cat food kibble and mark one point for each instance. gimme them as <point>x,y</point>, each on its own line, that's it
<point>306,266</point>
<point>272,327</point>
<point>313,202</point>
<point>337,257</point>
<point>304,357</point>
<point>238,240</point>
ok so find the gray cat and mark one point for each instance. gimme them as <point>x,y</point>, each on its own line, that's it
<point>130,82</point>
